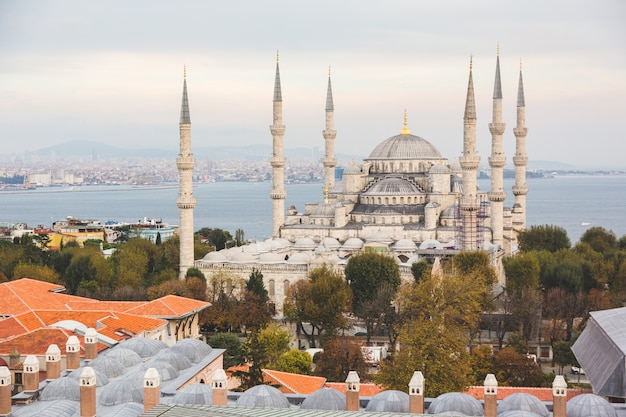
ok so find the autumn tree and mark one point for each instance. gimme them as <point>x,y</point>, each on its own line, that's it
<point>296,362</point>
<point>38,272</point>
<point>340,356</point>
<point>600,239</point>
<point>516,370</point>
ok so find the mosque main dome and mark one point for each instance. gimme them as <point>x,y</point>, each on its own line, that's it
<point>405,146</point>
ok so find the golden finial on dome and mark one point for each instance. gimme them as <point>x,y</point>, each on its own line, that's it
<point>352,162</point>
<point>405,130</point>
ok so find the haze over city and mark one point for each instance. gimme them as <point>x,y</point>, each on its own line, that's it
<point>112,73</point>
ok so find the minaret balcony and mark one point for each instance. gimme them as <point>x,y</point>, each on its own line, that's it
<point>497,196</point>
<point>469,162</point>
<point>520,161</point>
<point>520,132</point>
<point>330,162</point>
<point>497,161</point>
<point>186,202</point>
<point>278,161</point>
<point>497,128</point>
<point>520,190</point>
<point>185,162</point>
<point>278,194</point>
<point>277,130</point>
<point>329,134</point>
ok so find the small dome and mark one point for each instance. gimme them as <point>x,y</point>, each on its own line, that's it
<point>456,401</point>
<point>271,258</point>
<point>61,389</point>
<point>123,390</point>
<point>323,210</point>
<point>299,258</point>
<point>393,187</point>
<point>201,394</point>
<point>432,204</point>
<point>389,401</point>
<point>101,378</point>
<point>109,366</point>
<point>589,405</point>
<point>57,408</point>
<point>325,399</point>
<point>165,370</point>
<point>263,396</point>
<point>143,346</point>
<point>177,359</point>
<point>242,257</point>
<point>194,349</point>
<point>405,245</point>
<point>352,170</point>
<point>126,357</point>
<point>431,244</point>
<point>405,146</point>
<point>215,256</point>
<point>331,243</point>
<point>518,413</point>
<point>439,169</point>
<point>523,402</point>
<point>379,236</point>
<point>354,243</point>
<point>304,243</point>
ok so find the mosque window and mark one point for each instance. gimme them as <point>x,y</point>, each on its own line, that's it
<point>286,286</point>
<point>393,200</point>
<point>271,289</point>
<point>401,200</point>
<point>386,200</point>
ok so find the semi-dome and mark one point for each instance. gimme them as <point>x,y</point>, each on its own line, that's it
<point>589,405</point>
<point>325,399</point>
<point>392,186</point>
<point>263,396</point>
<point>392,401</point>
<point>458,402</point>
<point>405,146</point>
<point>523,402</point>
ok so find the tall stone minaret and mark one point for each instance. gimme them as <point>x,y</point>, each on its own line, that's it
<point>277,160</point>
<point>469,165</point>
<point>496,162</point>
<point>520,160</point>
<point>329,140</point>
<point>185,200</point>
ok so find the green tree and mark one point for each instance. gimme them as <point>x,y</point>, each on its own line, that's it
<point>256,285</point>
<point>80,269</point>
<point>600,239</point>
<point>563,355</point>
<point>158,240</point>
<point>516,370</point>
<point>234,348</point>
<point>523,292</point>
<point>481,364</point>
<point>38,272</point>
<point>240,239</point>
<point>418,269</point>
<point>275,340</point>
<point>296,362</point>
<point>547,237</point>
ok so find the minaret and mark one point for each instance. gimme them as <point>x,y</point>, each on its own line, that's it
<point>329,140</point>
<point>520,160</point>
<point>185,200</point>
<point>277,160</point>
<point>469,164</point>
<point>496,162</point>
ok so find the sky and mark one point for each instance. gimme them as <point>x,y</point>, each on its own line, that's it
<point>112,72</point>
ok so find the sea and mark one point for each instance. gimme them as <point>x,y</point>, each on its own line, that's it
<point>573,202</point>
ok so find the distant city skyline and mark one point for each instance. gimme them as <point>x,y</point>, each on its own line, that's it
<point>112,72</point>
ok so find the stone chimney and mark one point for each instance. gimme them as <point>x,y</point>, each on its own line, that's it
<point>416,393</point>
<point>72,348</point>
<point>91,344</point>
<point>491,396</point>
<point>353,385</point>
<point>220,389</point>
<point>14,357</point>
<point>151,389</point>
<point>87,383</point>
<point>31,374</point>
<point>5,391</point>
<point>559,396</point>
<point>53,362</point>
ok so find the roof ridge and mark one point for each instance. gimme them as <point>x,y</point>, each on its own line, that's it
<point>281,380</point>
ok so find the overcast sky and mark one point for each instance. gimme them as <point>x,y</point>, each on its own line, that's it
<point>112,71</point>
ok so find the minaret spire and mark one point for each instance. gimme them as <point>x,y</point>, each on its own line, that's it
<point>469,161</point>
<point>520,160</point>
<point>329,134</point>
<point>496,162</point>
<point>186,200</point>
<point>277,160</point>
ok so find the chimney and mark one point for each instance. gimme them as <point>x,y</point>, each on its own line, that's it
<point>491,396</point>
<point>5,391</point>
<point>53,362</point>
<point>87,383</point>
<point>559,396</point>
<point>91,344</point>
<point>151,389</point>
<point>220,391</point>
<point>353,385</point>
<point>31,373</point>
<point>416,393</point>
<point>72,347</point>
<point>14,357</point>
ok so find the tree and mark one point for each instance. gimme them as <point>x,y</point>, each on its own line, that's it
<point>523,290</point>
<point>340,356</point>
<point>296,362</point>
<point>80,269</point>
<point>600,239</point>
<point>215,237</point>
<point>369,275</point>
<point>174,286</point>
<point>158,240</point>
<point>240,239</point>
<point>256,285</point>
<point>481,364</point>
<point>418,269</point>
<point>39,272</point>
<point>516,370</point>
<point>275,340</point>
<point>562,354</point>
<point>234,348</point>
<point>547,237</point>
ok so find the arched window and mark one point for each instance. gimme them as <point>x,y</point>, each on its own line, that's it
<point>285,286</point>
<point>271,289</point>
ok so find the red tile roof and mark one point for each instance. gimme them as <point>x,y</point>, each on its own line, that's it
<point>365,390</point>
<point>38,341</point>
<point>293,383</point>
<point>543,394</point>
<point>10,327</point>
<point>170,306</point>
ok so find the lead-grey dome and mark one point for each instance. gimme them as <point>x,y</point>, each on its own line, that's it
<point>458,402</point>
<point>323,210</point>
<point>405,146</point>
<point>393,187</point>
<point>523,402</point>
<point>126,357</point>
<point>194,394</point>
<point>389,401</point>
<point>109,366</point>
<point>123,390</point>
<point>263,396</point>
<point>589,405</point>
<point>325,399</point>
<point>194,349</point>
<point>58,408</point>
<point>101,378</point>
<point>143,346</point>
<point>61,389</point>
<point>177,359</point>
